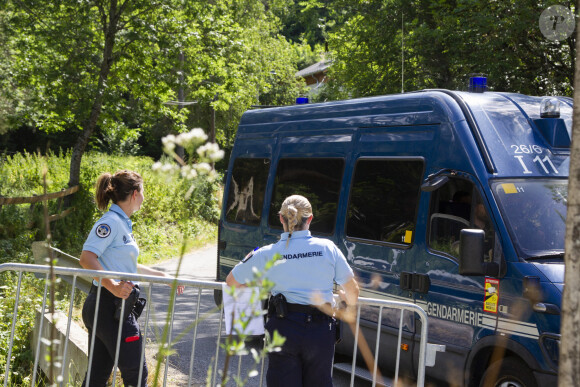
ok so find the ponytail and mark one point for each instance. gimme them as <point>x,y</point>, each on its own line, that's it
<point>116,187</point>
<point>104,190</point>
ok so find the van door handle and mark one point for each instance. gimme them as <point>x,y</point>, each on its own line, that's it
<point>414,282</point>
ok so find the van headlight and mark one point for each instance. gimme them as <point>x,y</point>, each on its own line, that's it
<point>550,345</point>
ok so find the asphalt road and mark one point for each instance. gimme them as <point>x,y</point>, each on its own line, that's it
<point>199,265</point>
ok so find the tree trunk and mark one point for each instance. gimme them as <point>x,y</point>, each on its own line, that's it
<point>569,365</point>
<point>110,27</point>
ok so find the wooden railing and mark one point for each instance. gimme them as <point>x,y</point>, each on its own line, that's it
<point>40,198</point>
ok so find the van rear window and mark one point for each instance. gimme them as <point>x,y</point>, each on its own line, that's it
<point>384,199</point>
<point>246,192</point>
<point>318,180</point>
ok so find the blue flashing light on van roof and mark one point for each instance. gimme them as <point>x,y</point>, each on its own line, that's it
<point>301,100</point>
<point>477,84</point>
<point>552,127</point>
<point>550,107</point>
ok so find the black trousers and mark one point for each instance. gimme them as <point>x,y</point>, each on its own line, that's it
<point>307,354</point>
<point>106,342</point>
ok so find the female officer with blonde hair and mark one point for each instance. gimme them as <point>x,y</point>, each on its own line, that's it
<point>303,282</point>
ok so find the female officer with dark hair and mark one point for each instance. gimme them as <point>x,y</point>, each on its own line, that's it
<point>110,246</point>
<point>303,282</point>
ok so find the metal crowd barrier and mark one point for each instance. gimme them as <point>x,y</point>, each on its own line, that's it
<point>195,319</point>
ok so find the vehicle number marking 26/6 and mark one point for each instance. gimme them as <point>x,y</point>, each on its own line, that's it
<point>527,149</point>
<point>543,162</point>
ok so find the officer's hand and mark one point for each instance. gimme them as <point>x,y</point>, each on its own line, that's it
<point>122,289</point>
<point>180,289</point>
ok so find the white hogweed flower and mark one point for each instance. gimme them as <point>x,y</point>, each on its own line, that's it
<point>211,152</point>
<point>169,143</point>
<point>203,168</point>
<point>188,172</point>
<point>169,168</point>
<point>189,140</point>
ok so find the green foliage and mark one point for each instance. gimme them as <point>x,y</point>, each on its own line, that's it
<point>21,224</point>
<point>64,52</point>
<point>118,140</point>
<point>307,55</point>
<point>166,215</point>
<point>222,56</point>
<point>15,237</point>
<point>29,300</point>
<point>441,43</point>
<point>9,97</point>
<point>21,359</point>
<point>234,57</point>
<point>306,21</point>
<point>21,173</point>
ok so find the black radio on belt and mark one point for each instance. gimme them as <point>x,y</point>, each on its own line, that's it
<point>278,305</point>
<point>133,303</point>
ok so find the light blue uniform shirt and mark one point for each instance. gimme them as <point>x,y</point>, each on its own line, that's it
<point>305,274</point>
<point>111,239</point>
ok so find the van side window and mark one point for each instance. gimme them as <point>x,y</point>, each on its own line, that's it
<point>384,199</point>
<point>317,179</point>
<point>246,192</point>
<point>455,206</point>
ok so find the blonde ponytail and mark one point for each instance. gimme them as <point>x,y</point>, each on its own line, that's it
<point>296,209</point>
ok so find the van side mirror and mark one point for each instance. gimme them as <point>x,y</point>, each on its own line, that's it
<point>471,251</point>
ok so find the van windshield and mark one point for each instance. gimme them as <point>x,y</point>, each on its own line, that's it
<point>535,214</point>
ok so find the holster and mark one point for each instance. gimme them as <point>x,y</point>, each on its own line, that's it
<point>133,304</point>
<point>278,306</point>
<point>265,306</point>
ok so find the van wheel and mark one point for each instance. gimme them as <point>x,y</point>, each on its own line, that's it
<point>509,372</point>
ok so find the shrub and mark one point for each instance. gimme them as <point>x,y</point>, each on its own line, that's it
<point>166,216</point>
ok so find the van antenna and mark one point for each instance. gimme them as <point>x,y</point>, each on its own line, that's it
<point>402,53</point>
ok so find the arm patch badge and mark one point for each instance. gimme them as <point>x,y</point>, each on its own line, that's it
<point>250,255</point>
<point>103,230</point>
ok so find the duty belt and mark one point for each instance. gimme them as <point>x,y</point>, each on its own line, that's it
<point>306,309</point>
<point>104,291</point>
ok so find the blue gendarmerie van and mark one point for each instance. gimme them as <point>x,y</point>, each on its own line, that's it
<point>455,201</point>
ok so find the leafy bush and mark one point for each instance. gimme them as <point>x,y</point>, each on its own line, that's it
<point>21,174</point>
<point>165,218</point>
<point>21,356</point>
<point>30,300</point>
<point>15,237</point>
